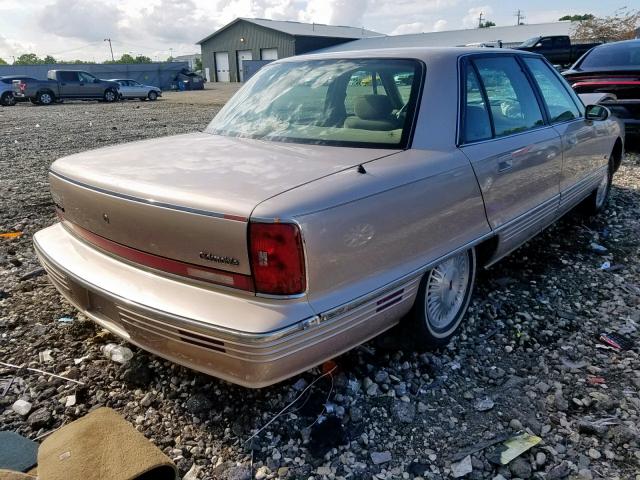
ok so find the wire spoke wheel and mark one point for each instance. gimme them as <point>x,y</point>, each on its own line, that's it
<point>446,290</point>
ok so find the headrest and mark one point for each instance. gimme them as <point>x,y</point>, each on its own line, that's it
<point>373,107</point>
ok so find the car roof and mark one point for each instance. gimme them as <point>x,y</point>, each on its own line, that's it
<point>420,53</point>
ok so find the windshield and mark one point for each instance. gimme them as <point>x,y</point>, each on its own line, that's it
<point>624,54</point>
<point>360,102</point>
<point>531,42</point>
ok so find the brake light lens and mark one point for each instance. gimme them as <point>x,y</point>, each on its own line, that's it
<point>277,258</point>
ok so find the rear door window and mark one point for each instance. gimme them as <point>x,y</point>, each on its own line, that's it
<point>68,76</point>
<point>477,125</point>
<point>559,103</point>
<point>512,102</point>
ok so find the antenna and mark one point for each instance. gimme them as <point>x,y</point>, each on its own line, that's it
<point>520,16</point>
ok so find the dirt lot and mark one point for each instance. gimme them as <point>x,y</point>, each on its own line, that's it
<point>528,357</point>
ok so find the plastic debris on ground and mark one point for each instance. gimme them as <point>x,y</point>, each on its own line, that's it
<point>605,266</point>
<point>77,361</point>
<point>117,353</point>
<point>65,320</point>
<point>599,249</point>
<point>70,401</point>
<point>45,356</point>
<point>462,468</point>
<point>512,448</point>
<point>616,341</point>
<point>571,365</point>
<point>484,404</point>
<point>10,235</point>
<point>32,274</point>
<point>592,380</point>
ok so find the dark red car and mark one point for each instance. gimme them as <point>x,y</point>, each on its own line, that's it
<point>612,68</point>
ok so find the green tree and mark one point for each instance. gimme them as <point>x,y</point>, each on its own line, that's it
<point>487,24</point>
<point>28,59</point>
<point>576,18</point>
<point>2,62</point>
<point>198,64</point>
<point>169,59</point>
<point>142,59</point>
<point>621,25</point>
<point>49,59</point>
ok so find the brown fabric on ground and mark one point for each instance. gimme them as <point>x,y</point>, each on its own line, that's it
<point>11,475</point>
<point>102,445</point>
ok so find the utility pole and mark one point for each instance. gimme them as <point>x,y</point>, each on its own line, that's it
<point>520,16</point>
<point>110,48</point>
<point>480,20</point>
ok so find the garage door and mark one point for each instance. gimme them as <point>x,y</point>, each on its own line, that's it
<point>242,56</point>
<point>222,66</point>
<point>269,54</point>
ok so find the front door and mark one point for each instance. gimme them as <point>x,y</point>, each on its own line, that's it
<point>516,157</point>
<point>242,56</point>
<point>89,86</point>
<point>581,142</point>
<point>222,66</point>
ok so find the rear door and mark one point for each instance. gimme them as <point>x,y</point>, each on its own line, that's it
<point>69,83</point>
<point>516,156</point>
<point>582,142</point>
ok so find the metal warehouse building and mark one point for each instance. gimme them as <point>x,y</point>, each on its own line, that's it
<point>248,39</point>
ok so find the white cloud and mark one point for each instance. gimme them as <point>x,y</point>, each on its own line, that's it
<point>406,28</point>
<point>470,20</point>
<point>440,25</point>
<point>81,19</point>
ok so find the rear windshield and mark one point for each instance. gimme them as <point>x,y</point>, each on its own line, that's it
<point>613,55</point>
<point>355,102</point>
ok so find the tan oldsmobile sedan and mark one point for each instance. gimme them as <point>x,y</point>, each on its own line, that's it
<point>332,197</point>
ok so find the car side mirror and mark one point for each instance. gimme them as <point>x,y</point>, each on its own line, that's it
<point>596,112</point>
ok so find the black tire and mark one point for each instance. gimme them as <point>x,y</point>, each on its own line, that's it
<point>428,332</point>
<point>153,96</point>
<point>7,99</point>
<point>597,200</point>
<point>45,97</point>
<point>110,96</point>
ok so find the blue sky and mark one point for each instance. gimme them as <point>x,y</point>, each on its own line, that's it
<point>69,29</point>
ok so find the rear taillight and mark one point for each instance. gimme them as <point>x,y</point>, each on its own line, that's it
<point>22,86</point>
<point>277,258</point>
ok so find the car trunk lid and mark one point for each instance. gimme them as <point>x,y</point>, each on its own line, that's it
<point>187,197</point>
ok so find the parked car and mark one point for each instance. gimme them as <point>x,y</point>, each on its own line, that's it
<point>303,222</point>
<point>187,80</point>
<point>7,97</point>
<point>612,68</point>
<point>133,89</point>
<point>67,84</point>
<point>558,49</point>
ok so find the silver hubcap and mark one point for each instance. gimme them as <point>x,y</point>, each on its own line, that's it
<point>110,96</point>
<point>601,193</point>
<point>446,289</point>
<point>45,98</point>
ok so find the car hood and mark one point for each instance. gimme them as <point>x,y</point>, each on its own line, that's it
<point>208,172</point>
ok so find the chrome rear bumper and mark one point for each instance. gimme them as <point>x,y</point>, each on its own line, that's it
<point>119,296</point>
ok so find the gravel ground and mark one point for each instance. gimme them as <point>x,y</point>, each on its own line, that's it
<point>528,358</point>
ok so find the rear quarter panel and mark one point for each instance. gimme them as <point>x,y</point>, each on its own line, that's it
<point>363,231</point>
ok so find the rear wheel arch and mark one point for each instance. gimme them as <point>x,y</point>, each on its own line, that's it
<point>617,153</point>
